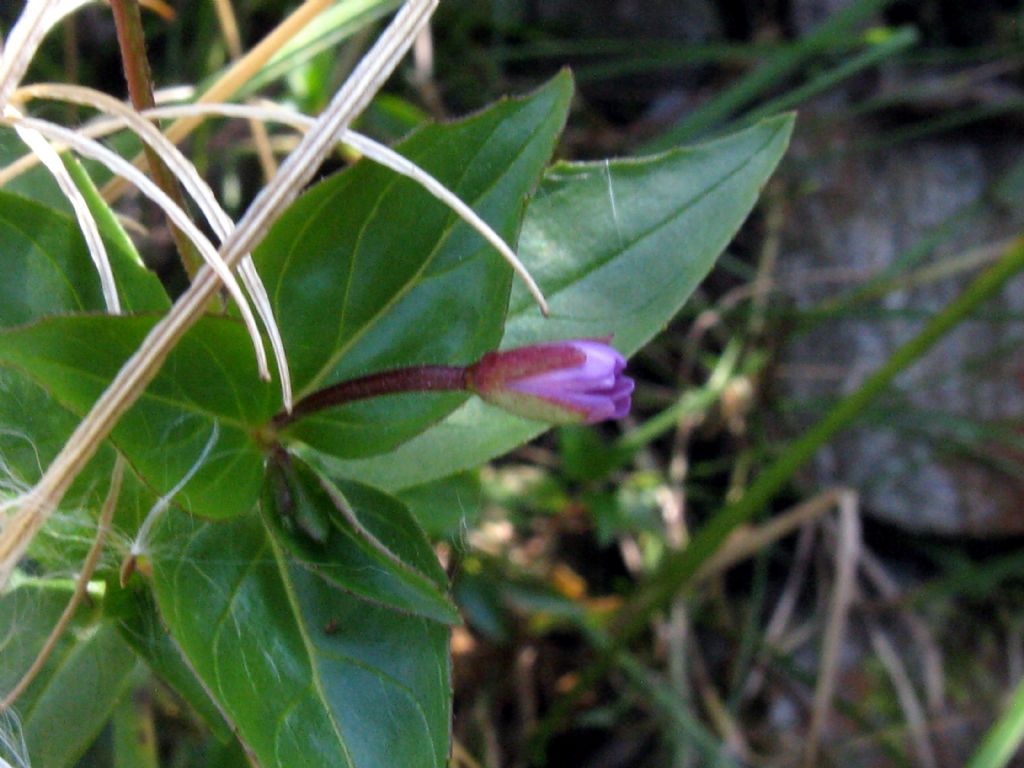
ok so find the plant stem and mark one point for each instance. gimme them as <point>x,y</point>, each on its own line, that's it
<point>420,378</point>
<point>132,42</point>
<point>678,568</point>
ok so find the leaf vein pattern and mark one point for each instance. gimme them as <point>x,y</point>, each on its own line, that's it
<point>307,642</point>
<point>414,279</point>
<point>57,268</point>
<point>571,279</point>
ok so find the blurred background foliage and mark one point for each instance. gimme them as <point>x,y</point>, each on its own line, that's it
<point>874,614</point>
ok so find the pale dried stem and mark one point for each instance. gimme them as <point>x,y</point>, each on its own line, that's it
<point>746,542</point>
<point>843,591</point>
<point>117,164</point>
<point>366,146</point>
<point>913,711</point>
<point>382,155</point>
<point>930,654</point>
<point>81,586</point>
<point>37,18</point>
<point>774,220</point>
<point>140,369</point>
<point>721,719</point>
<point>194,184</point>
<point>673,514</point>
<point>784,609</point>
<point>229,28</point>
<point>90,231</point>
<point>461,757</point>
<point>237,76</point>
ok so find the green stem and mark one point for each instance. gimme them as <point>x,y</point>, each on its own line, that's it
<point>679,567</point>
<point>132,42</point>
<point>1004,738</point>
<point>766,76</point>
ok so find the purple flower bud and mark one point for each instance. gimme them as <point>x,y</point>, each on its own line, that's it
<point>561,382</point>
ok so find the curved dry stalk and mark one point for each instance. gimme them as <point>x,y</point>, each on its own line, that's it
<point>237,76</point>
<point>380,154</point>
<point>117,164</point>
<point>843,591</point>
<point>139,370</point>
<point>913,710</point>
<point>37,18</point>
<point>233,40</point>
<point>193,183</point>
<point>81,586</point>
<point>373,150</point>
<point>90,231</point>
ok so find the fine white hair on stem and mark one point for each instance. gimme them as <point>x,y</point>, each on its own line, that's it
<point>378,153</point>
<point>141,542</point>
<point>136,373</point>
<point>12,741</point>
<point>90,231</point>
<point>196,187</point>
<point>117,164</point>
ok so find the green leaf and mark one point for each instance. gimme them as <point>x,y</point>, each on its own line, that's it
<point>36,183</point>
<point>79,686</point>
<point>617,247</point>
<point>134,613</point>
<point>309,674</point>
<point>140,290</point>
<point>445,508</point>
<point>367,271</point>
<point>196,416</point>
<point>33,429</point>
<point>48,271</point>
<point>47,268</point>
<point>363,541</point>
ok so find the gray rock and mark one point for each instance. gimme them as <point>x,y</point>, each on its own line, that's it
<point>939,454</point>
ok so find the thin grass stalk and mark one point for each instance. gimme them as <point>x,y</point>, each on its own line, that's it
<point>139,370</point>
<point>1004,738</point>
<point>117,164</point>
<point>197,188</point>
<point>90,231</point>
<point>764,77</point>
<point>236,77</point>
<point>233,40</point>
<point>678,569</point>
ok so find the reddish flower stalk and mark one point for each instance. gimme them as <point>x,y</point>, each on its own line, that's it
<point>420,378</point>
<point>561,382</point>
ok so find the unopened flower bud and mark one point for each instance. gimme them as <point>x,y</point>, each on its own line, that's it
<point>561,382</point>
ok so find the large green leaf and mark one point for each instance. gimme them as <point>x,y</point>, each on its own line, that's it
<point>133,611</point>
<point>357,539</point>
<point>69,702</point>
<point>196,415</point>
<point>446,508</point>
<point>618,247</point>
<point>309,674</point>
<point>47,269</point>
<point>367,271</point>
